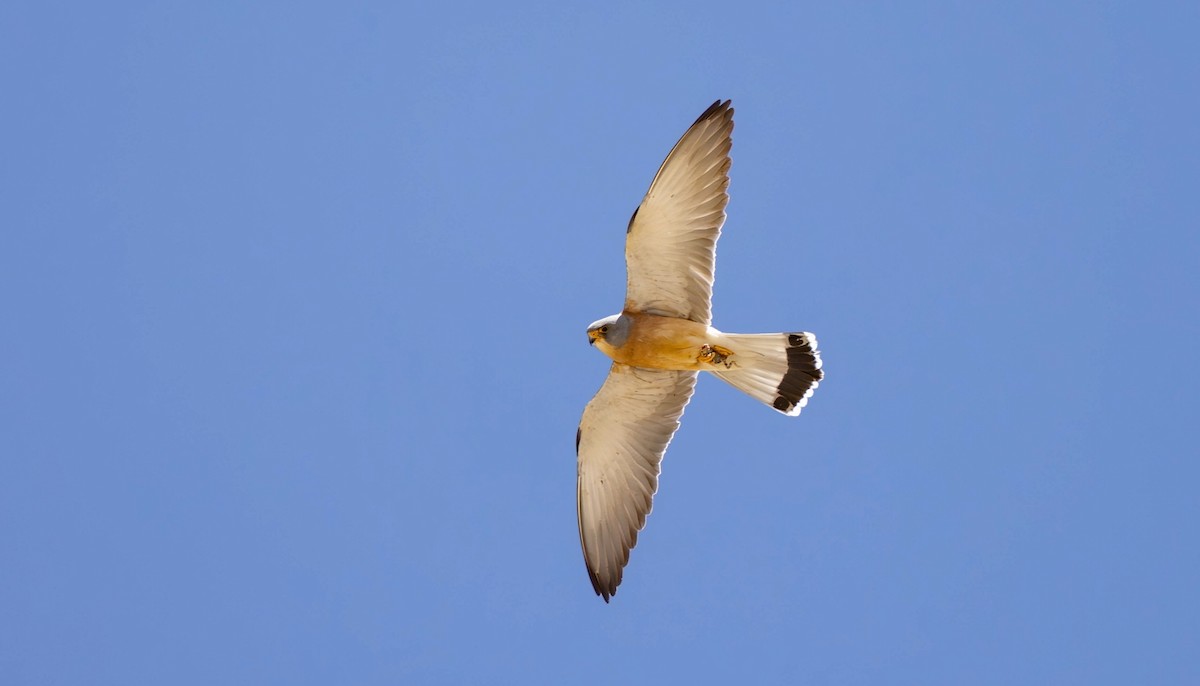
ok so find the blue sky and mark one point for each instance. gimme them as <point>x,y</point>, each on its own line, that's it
<point>293,350</point>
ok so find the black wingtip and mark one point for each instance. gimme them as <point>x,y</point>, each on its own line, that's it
<point>601,589</point>
<point>717,108</point>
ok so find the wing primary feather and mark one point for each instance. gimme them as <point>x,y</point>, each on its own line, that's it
<point>716,106</point>
<point>622,437</point>
<point>686,200</point>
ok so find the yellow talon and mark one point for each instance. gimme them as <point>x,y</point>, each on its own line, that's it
<point>714,354</point>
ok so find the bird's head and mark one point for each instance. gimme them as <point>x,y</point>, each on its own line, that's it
<point>609,332</point>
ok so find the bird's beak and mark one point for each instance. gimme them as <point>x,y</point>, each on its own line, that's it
<point>592,337</point>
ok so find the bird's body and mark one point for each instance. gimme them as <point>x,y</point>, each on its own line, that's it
<point>660,341</point>
<point>657,342</point>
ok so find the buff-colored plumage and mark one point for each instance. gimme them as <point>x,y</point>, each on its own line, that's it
<point>659,342</point>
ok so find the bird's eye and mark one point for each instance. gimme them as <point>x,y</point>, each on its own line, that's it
<point>604,329</point>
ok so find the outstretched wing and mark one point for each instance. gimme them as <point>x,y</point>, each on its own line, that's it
<point>671,242</point>
<point>621,440</point>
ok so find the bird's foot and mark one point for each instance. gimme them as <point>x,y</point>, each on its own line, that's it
<point>716,354</point>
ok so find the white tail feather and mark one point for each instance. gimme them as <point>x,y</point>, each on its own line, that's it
<point>779,369</point>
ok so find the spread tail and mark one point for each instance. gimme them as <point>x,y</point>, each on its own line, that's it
<point>779,369</point>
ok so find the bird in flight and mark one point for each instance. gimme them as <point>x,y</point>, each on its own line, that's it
<point>659,342</point>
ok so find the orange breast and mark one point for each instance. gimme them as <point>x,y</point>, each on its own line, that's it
<point>662,343</point>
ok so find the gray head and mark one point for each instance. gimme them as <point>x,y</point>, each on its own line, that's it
<point>613,330</point>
